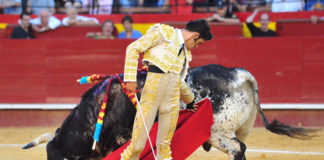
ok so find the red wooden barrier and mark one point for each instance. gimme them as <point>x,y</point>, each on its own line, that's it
<point>44,71</point>
<point>313,68</point>
<point>69,32</point>
<point>275,62</point>
<point>40,71</point>
<point>6,32</point>
<point>61,32</point>
<point>299,28</point>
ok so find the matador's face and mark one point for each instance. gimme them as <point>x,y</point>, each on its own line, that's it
<point>194,42</point>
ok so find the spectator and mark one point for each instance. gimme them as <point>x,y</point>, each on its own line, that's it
<point>199,5</point>
<point>98,6</point>
<point>74,19</point>
<point>127,3</point>
<point>129,32</point>
<point>11,6</point>
<point>45,21</point>
<point>286,5</point>
<point>263,31</point>
<point>108,31</point>
<point>24,29</point>
<point>35,6</point>
<point>232,6</point>
<point>229,6</point>
<point>162,3</point>
<point>154,6</point>
<point>315,19</point>
<point>262,5</point>
<point>314,5</point>
<point>220,16</point>
<point>73,3</point>
<point>150,3</point>
<point>62,5</point>
<point>24,5</point>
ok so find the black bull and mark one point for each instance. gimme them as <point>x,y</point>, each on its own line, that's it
<point>74,139</point>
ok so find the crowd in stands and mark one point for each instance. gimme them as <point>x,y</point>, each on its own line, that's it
<point>130,6</point>
<point>224,11</point>
<point>84,6</point>
<point>45,22</point>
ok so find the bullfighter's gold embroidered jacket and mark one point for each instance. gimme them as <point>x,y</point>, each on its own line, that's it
<point>161,45</point>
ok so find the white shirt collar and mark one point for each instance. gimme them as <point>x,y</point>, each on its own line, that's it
<point>181,40</point>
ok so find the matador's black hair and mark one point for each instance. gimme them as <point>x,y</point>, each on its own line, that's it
<point>201,26</point>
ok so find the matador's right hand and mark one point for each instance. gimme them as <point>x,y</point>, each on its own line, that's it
<point>131,87</point>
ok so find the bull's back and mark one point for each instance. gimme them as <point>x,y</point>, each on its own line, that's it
<point>231,91</point>
<point>211,81</point>
<point>218,83</point>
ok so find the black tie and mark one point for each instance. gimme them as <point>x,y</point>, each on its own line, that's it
<point>181,48</point>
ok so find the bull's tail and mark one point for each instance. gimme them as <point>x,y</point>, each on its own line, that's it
<point>276,126</point>
<point>41,139</point>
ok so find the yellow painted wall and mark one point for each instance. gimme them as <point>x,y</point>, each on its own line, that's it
<point>142,27</point>
<point>3,25</point>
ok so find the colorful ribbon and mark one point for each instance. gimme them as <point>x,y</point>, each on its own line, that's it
<point>99,77</point>
<point>96,134</point>
<point>92,78</point>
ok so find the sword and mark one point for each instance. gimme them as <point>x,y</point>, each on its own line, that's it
<point>146,130</point>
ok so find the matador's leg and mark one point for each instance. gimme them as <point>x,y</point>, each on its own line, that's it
<point>168,117</point>
<point>150,101</point>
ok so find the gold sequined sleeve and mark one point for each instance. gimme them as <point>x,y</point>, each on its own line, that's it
<point>186,94</point>
<point>150,39</point>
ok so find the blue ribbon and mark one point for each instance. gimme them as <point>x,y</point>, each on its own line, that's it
<point>84,80</point>
<point>97,132</point>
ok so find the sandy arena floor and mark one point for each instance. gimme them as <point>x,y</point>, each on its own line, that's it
<point>262,145</point>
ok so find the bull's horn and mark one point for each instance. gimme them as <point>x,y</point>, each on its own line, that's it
<point>41,139</point>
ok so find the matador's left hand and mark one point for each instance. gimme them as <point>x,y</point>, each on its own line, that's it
<point>192,107</point>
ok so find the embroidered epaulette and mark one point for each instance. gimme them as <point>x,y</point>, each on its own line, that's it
<point>167,31</point>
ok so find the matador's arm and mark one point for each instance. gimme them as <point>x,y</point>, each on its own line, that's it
<point>150,39</point>
<point>186,94</point>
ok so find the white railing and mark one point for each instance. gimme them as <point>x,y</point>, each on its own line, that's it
<point>52,106</point>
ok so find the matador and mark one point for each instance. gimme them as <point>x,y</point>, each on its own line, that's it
<point>167,55</point>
